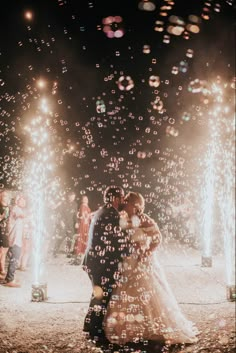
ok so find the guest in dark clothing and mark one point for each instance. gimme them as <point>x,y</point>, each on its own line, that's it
<point>67,224</point>
<point>106,246</point>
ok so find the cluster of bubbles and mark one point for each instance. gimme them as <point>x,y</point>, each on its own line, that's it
<point>114,124</point>
<point>118,143</point>
<point>198,86</point>
<point>171,131</point>
<point>177,26</point>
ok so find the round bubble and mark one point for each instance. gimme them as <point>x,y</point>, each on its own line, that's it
<point>146,6</point>
<point>125,83</point>
<point>154,81</point>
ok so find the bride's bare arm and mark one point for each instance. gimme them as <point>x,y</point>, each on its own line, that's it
<point>151,230</point>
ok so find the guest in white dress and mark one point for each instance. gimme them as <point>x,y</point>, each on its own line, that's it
<point>142,306</point>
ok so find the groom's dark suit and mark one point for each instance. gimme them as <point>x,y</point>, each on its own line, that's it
<point>106,247</point>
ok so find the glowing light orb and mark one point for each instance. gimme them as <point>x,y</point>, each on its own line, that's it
<point>28,15</point>
<point>41,83</point>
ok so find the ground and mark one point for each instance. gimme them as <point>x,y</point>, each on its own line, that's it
<point>55,325</point>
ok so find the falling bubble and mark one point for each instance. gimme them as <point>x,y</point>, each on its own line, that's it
<point>146,5</point>
<point>159,26</point>
<point>146,49</point>
<point>193,28</point>
<point>189,53</point>
<point>154,81</point>
<point>125,83</point>
<point>175,70</point>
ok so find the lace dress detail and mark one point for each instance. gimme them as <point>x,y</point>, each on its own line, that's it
<point>142,306</point>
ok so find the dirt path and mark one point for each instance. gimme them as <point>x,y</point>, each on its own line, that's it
<point>55,325</point>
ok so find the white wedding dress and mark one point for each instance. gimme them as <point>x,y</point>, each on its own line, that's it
<point>142,306</point>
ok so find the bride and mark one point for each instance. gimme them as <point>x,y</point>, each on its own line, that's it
<point>142,306</point>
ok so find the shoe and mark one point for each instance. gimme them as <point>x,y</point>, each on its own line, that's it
<point>102,342</point>
<point>22,269</point>
<point>12,284</point>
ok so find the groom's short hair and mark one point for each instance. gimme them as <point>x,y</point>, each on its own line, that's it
<point>111,192</point>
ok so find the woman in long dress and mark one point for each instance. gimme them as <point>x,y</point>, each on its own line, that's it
<point>142,306</point>
<point>84,218</point>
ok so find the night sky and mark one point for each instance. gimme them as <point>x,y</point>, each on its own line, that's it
<point>149,137</point>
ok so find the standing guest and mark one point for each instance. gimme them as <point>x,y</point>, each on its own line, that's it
<point>16,231</point>
<point>84,215</point>
<point>4,217</point>
<point>67,218</point>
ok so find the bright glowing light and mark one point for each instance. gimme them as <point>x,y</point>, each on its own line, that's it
<point>38,216</point>
<point>44,106</point>
<point>208,194</point>
<point>36,181</point>
<point>220,167</point>
<point>228,210</point>
<point>28,15</point>
<point>41,83</point>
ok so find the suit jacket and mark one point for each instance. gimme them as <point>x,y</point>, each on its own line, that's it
<point>106,246</point>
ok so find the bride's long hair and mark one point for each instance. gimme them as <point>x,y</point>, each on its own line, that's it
<point>137,200</point>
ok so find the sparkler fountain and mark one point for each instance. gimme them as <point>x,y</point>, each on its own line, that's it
<point>208,195</point>
<point>220,165</point>
<point>228,207</point>
<point>37,171</point>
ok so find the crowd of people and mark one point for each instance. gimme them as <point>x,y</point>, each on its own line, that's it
<point>65,224</point>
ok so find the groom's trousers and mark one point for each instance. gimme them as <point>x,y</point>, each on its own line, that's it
<point>93,322</point>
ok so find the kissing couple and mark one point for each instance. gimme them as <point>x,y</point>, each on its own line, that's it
<point>131,300</point>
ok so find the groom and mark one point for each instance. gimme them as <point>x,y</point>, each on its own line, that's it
<point>105,249</point>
